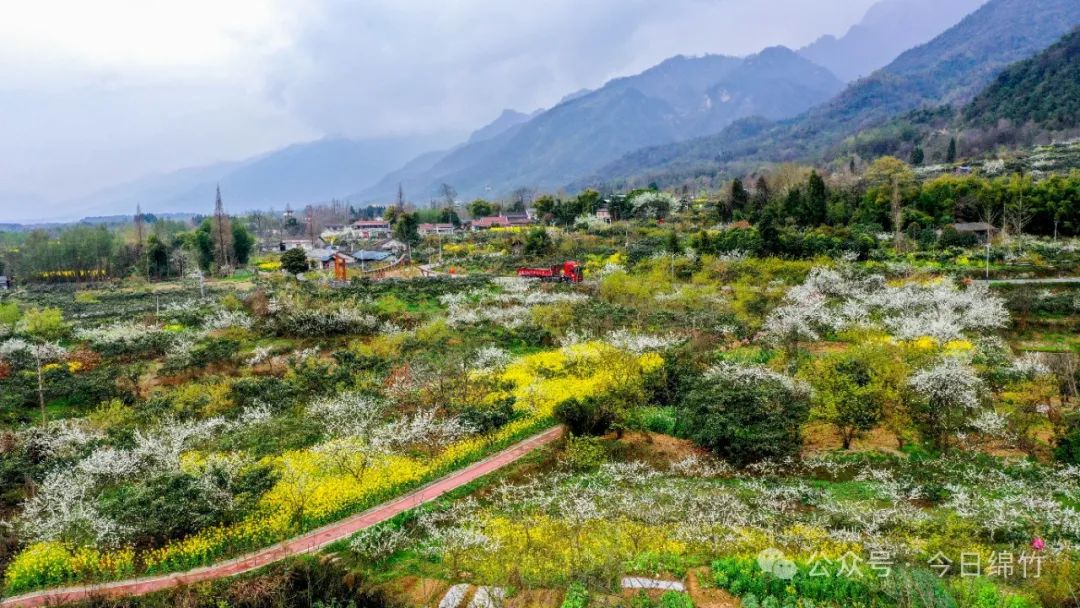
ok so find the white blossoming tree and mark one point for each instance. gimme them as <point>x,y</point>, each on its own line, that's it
<point>944,398</point>
<point>41,353</point>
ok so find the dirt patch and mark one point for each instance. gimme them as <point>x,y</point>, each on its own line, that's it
<point>657,449</point>
<point>417,591</point>
<point>821,437</point>
<point>536,598</point>
<point>708,598</point>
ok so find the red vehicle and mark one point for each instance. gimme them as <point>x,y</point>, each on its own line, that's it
<point>569,272</point>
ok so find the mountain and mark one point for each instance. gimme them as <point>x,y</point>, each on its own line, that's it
<point>1032,102</point>
<point>889,28</point>
<point>507,120</point>
<point>680,98</point>
<point>298,174</point>
<point>159,191</point>
<point>949,69</point>
<point>420,169</point>
<point>1044,90</point>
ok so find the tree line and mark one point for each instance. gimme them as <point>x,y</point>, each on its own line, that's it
<point>152,250</point>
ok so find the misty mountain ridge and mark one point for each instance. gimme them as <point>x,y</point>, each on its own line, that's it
<point>298,174</point>
<point>889,28</point>
<point>1031,103</point>
<point>678,98</point>
<point>950,69</point>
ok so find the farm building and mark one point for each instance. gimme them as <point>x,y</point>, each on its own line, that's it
<point>324,258</point>
<point>981,229</point>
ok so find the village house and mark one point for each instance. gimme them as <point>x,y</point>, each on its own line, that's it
<point>371,229</point>
<point>391,245</point>
<point>306,244</point>
<point>435,229</point>
<point>368,256</point>
<point>984,231</point>
<point>5,283</point>
<point>324,258</point>
<point>505,220</point>
<point>519,219</point>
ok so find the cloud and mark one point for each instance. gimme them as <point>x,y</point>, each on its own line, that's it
<point>379,67</point>
<point>93,94</point>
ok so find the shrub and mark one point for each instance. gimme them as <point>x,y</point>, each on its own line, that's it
<point>983,593</point>
<point>653,419</point>
<point>1067,449</point>
<point>586,416</point>
<point>486,418</point>
<point>674,599</point>
<point>745,413</point>
<point>584,453</point>
<point>577,596</point>
<point>951,237</point>
<point>294,261</point>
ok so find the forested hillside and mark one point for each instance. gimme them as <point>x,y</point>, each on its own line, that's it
<point>1033,102</point>
<point>949,69</point>
<point>1044,90</point>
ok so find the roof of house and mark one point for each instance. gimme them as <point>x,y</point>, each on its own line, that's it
<point>974,227</point>
<point>389,244</point>
<point>493,220</point>
<point>371,224</point>
<point>439,226</point>
<point>365,255</point>
<point>323,255</point>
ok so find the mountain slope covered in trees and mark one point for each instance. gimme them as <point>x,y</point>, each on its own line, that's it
<point>1044,90</point>
<point>949,69</point>
<point>1032,102</point>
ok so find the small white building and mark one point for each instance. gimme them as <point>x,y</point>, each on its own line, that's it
<point>305,244</point>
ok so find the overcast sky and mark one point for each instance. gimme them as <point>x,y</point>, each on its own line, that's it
<point>93,93</point>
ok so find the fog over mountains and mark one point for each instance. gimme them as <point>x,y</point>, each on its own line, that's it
<point>677,100</point>
<point>889,28</point>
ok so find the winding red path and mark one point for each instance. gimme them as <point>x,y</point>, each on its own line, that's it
<point>305,543</point>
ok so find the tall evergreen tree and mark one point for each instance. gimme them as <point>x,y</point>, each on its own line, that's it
<point>222,236</point>
<point>816,200</point>
<point>792,203</point>
<point>141,263</point>
<point>740,198</point>
<point>761,195</point>
<point>950,155</point>
<point>772,220</point>
<point>917,156</point>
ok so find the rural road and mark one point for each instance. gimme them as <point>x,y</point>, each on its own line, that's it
<point>312,541</point>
